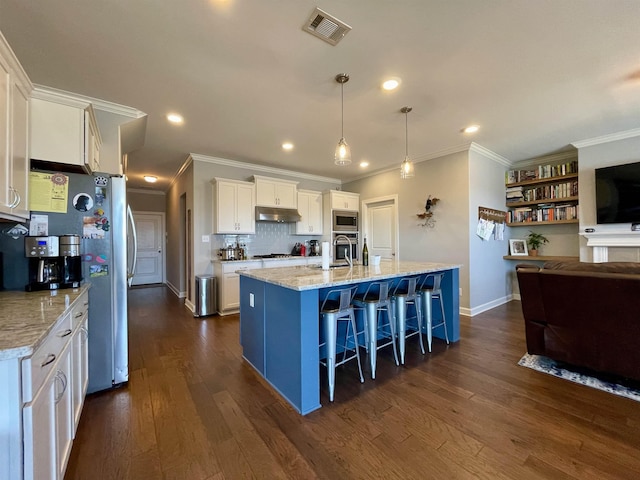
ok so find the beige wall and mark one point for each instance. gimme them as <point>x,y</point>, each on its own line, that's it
<point>143,201</point>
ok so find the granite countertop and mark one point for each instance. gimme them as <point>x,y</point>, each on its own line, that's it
<point>27,317</point>
<point>309,277</point>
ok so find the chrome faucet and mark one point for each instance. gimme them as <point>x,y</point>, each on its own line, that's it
<point>348,256</point>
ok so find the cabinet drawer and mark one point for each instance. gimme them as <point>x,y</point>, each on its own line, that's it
<point>36,368</point>
<point>80,310</point>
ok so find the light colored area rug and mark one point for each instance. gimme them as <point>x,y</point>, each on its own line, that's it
<point>546,365</point>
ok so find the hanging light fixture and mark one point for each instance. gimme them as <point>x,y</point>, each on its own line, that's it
<point>406,168</point>
<point>343,152</point>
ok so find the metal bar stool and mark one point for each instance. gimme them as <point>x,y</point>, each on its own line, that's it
<point>334,311</point>
<point>430,290</point>
<point>374,301</point>
<point>405,294</point>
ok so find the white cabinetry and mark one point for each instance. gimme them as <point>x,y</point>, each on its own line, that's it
<point>229,284</point>
<point>233,206</point>
<point>40,398</point>
<point>64,130</point>
<point>310,208</point>
<point>273,192</point>
<point>15,89</point>
<point>343,200</point>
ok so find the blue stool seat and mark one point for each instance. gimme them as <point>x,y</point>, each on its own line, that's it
<point>404,295</point>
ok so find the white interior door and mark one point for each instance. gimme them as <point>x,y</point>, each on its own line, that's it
<point>381,226</point>
<point>150,231</point>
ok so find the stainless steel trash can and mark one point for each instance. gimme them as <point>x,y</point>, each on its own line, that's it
<point>205,295</point>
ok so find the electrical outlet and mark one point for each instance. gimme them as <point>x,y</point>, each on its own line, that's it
<point>251,300</point>
<point>460,291</point>
<point>205,238</point>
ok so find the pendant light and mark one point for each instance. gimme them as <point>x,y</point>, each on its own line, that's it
<point>343,152</point>
<point>406,168</point>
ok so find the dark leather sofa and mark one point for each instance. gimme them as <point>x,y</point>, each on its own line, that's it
<point>584,314</point>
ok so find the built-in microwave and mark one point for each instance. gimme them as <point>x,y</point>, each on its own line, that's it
<point>341,246</point>
<point>344,221</point>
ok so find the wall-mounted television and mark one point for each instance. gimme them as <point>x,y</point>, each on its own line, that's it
<point>618,193</point>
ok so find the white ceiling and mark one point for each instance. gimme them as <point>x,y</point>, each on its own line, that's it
<point>536,75</point>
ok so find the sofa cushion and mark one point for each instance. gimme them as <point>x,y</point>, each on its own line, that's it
<point>605,267</point>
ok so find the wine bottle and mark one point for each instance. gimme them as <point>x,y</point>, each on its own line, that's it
<point>365,254</point>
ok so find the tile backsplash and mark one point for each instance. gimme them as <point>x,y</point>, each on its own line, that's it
<point>270,237</point>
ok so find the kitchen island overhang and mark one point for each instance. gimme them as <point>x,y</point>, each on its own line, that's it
<point>280,321</point>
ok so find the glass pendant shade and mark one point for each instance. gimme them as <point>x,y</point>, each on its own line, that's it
<point>406,168</point>
<point>343,153</point>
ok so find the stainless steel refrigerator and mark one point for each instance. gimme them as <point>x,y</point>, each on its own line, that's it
<point>98,212</point>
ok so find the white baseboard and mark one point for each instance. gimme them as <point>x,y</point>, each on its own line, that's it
<point>190,305</point>
<point>487,306</point>
<point>176,291</point>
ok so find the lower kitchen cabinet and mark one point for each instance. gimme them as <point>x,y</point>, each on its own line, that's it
<point>229,284</point>
<point>42,397</point>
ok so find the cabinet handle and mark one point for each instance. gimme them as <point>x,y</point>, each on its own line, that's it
<point>79,314</point>
<point>85,303</point>
<point>63,380</point>
<point>66,333</point>
<point>18,198</point>
<point>50,359</point>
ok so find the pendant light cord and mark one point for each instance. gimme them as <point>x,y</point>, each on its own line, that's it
<point>406,130</point>
<point>342,109</point>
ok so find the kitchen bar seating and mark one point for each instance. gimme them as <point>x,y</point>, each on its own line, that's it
<point>375,301</point>
<point>430,290</point>
<point>404,295</point>
<point>333,312</point>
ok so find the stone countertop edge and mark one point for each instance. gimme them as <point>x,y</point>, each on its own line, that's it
<point>305,277</point>
<point>26,318</point>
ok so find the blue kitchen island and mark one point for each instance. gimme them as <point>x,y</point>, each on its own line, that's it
<point>280,321</point>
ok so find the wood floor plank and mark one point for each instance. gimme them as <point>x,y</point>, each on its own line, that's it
<point>193,408</point>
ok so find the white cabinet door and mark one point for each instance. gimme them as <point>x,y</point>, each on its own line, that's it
<point>234,207</point>
<point>310,208</point>
<point>345,201</point>
<point>64,410</point>
<point>19,152</point>
<point>6,194</point>
<point>245,209</point>
<point>80,370</point>
<point>271,192</point>
<point>39,424</point>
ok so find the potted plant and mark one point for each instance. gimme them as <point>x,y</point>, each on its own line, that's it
<point>534,240</point>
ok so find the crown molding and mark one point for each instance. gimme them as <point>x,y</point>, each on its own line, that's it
<point>14,64</point>
<point>613,137</point>
<point>552,158</point>
<point>180,171</point>
<point>262,168</point>
<point>491,155</point>
<point>76,100</point>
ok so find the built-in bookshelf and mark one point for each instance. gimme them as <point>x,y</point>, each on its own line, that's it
<point>542,195</point>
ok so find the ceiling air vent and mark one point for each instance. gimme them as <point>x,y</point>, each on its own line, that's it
<point>326,27</point>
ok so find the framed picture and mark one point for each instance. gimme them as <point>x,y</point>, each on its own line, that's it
<point>518,247</point>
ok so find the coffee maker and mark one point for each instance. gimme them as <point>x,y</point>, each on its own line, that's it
<point>71,261</point>
<point>314,248</point>
<point>45,264</point>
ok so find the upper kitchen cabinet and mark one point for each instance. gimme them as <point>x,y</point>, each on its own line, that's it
<point>338,200</point>
<point>64,130</point>
<point>273,192</point>
<point>15,90</point>
<point>310,207</point>
<point>234,206</point>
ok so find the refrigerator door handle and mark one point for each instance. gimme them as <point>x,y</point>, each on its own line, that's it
<point>134,236</point>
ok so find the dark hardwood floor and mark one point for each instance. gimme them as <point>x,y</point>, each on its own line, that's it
<point>193,409</point>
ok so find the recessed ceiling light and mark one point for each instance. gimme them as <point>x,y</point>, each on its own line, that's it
<point>175,118</point>
<point>364,164</point>
<point>391,84</point>
<point>287,146</point>
<point>150,179</point>
<point>471,129</point>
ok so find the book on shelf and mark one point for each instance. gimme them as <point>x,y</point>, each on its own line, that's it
<point>541,172</point>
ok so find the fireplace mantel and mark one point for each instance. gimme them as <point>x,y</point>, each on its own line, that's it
<point>602,241</point>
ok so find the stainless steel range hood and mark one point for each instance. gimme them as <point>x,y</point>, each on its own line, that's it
<point>280,215</point>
